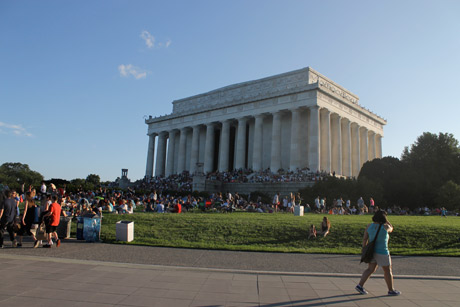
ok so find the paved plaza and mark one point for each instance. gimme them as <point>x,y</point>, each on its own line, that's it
<point>85,274</point>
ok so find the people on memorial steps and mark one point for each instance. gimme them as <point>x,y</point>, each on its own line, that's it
<point>266,176</point>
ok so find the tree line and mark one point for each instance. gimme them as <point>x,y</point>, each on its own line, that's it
<point>427,174</point>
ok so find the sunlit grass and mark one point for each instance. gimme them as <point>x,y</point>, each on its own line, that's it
<point>413,235</point>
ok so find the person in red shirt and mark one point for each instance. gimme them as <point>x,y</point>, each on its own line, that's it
<point>178,207</point>
<point>54,213</point>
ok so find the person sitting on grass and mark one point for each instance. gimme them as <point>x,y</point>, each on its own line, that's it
<point>177,208</point>
<point>325,227</point>
<point>312,232</point>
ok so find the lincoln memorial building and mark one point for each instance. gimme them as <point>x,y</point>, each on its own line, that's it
<point>299,119</point>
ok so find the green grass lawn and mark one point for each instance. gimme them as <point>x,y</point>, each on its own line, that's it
<point>413,235</point>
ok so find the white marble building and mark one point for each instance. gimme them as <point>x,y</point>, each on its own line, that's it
<point>293,120</point>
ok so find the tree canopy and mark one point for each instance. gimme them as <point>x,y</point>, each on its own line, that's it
<point>15,174</point>
<point>428,174</point>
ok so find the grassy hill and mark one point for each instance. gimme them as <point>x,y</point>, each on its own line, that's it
<point>413,235</point>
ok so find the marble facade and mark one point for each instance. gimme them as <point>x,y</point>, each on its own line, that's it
<point>293,120</point>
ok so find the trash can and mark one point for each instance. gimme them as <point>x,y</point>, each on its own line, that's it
<point>63,230</point>
<point>89,228</point>
<point>298,210</point>
<point>80,228</point>
<point>125,231</point>
<point>92,229</point>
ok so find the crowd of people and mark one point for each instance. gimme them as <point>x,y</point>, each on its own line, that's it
<point>39,206</point>
<point>266,176</point>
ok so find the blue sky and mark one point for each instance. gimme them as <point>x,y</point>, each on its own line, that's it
<point>78,77</point>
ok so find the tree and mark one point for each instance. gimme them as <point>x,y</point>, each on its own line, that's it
<point>449,196</point>
<point>400,183</point>
<point>437,156</point>
<point>93,179</point>
<point>434,160</point>
<point>15,174</point>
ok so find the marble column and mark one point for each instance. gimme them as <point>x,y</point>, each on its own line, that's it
<point>224,146</point>
<point>356,150</point>
<point>364,145</point>
<point>295,136</point>
<point>161,155</point>
<point>209,148</point>
<point>257,150</point>
<point>336,163</point>
<point>275,162</point>
<point>150,156</point>
<point>171,149</point>
<point>372,146</point>
<point>379,146</point>
<point>315,141</point>
<point>182,144</point>
<point>346,148</point>
<point>241,144</point>
<point>195,149</point>
<point>326,141</point>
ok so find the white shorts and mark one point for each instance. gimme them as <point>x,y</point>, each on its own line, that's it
<point>382,260</point>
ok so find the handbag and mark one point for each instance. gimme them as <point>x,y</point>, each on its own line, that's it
<point>367,253</point>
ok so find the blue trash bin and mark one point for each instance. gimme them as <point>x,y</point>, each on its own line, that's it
<point>92,229</point>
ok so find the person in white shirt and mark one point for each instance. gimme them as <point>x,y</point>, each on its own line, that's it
<point>43,188</point>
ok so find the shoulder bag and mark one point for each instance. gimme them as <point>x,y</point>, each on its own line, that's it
<point>367,253</point>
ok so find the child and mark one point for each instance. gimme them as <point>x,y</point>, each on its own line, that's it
<point>312,232</point>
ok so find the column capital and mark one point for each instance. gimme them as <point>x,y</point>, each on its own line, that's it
<point>277,114</point>
<point>336,115</point>
<point>295,110</point>
<point>163,133</point>
<point>227,121</point>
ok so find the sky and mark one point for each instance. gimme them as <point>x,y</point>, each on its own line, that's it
<point>78,78</point>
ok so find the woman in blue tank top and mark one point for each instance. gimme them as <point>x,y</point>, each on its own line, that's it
<point>381,253</point>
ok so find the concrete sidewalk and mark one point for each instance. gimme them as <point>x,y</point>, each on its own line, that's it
<point>30,280</point>
<point>235,260</point>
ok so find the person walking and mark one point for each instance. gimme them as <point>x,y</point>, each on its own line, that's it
<point>381,253</point>
<point>7,216</point>
<point>54,214</point>
<point>27,220</point>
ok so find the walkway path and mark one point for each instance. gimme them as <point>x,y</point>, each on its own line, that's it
<point>84,274</point>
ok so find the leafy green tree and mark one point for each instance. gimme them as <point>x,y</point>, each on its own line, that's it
<point>93,179</point>
<point>433,160</point>
<point>437,156</point>
<point>400,184</point>
<point>449,196</point>
<point>15,174</point>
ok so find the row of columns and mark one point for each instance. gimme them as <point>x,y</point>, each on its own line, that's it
<point>334,144</point>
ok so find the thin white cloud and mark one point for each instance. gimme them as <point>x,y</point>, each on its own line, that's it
<point>14,129</point>
<point>130,70</point>
<point>148,38</point>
